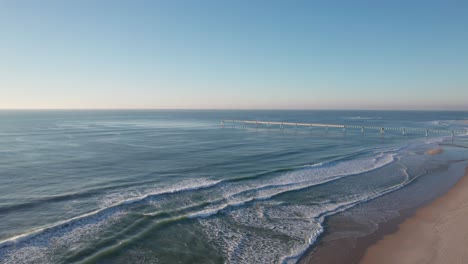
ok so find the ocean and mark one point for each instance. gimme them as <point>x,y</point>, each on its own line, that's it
<point>174,186</point>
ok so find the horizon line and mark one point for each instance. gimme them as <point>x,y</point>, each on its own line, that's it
<point>229,109</point>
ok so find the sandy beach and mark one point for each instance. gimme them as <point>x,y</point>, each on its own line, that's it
<point>437,233</point>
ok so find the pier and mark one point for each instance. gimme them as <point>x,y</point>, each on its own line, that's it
<point>362,129</point>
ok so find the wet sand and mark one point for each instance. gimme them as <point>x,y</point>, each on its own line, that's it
<point>437,233</point>
<point>351,249</point>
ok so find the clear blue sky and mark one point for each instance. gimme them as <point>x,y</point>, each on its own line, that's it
<point>234,54</point>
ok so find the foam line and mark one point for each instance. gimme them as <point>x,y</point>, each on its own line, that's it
<point>347,205</point>
<point>203,184</point>
<point>247,191</point>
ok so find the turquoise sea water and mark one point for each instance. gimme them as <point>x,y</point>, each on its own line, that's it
<point>176,187</point>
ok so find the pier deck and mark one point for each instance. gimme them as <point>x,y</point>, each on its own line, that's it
<point>381,130</point>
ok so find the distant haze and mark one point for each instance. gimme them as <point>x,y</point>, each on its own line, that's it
<point>234,54</point>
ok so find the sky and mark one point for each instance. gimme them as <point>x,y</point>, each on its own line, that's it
<point>238,54</point>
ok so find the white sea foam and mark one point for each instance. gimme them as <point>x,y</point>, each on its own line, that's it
<point>308,176</point>
<point>236,195</point>
<point>298,222</point>
<point>314,165</point>
<point>362,117</point>
<point>340,207</point>
<point>129,197</point>
<point>233,195</point>
<point>295,180</point>
<point>42,248</point>
<point>435,140</point>
<point>183,186</point>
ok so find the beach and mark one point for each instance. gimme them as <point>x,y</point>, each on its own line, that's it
<point>437,233</point>
<point>176,187</point>
<point>354,235</point>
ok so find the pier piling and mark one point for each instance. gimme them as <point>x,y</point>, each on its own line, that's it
<point>282,125</point>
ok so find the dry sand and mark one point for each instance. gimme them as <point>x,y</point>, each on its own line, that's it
<point>437,233</point>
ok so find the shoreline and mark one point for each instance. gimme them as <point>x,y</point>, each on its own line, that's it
<point>353,250</point>
<point>436,233</point>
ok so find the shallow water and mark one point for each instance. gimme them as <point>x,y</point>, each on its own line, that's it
<point>174,186</point>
